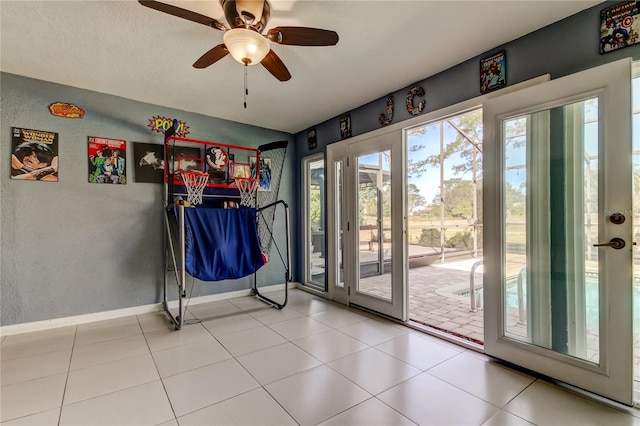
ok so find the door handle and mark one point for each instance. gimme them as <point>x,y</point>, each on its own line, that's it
<point>616,243</point>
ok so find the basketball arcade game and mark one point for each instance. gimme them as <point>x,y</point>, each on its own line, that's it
<point>220,208</point>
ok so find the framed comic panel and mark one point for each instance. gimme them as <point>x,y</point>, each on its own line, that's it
<point>493,72</point>
<point>619,26</point>
<point>34,155</point>
<point>149,160</point>
<point>241,170</point>
<point>107,160</point>
<point>265,172</point>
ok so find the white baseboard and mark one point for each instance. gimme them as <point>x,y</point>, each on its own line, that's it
<point>9,330</point>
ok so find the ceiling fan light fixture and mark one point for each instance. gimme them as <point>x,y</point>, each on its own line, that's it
<point>246,46</point>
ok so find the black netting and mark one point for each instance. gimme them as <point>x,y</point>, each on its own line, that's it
<point>272,161</point>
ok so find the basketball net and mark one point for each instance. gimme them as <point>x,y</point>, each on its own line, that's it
<point>194,181</point>
<point>248,188</point>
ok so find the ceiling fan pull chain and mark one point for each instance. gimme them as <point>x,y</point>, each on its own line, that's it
<point>246,89</point>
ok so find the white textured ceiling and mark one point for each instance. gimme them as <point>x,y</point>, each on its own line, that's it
<point>125,49</point>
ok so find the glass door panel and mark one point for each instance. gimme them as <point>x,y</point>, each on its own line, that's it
<point>339,206</point>
<point>550,188</point>
<point>315,220</point>
<point>635,107</point>
<point>374,199</point>
<point>374,224</point>
<point>559,264</point>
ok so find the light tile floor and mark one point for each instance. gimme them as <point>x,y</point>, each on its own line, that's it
<point>435,301</point>
<point>311,363</point>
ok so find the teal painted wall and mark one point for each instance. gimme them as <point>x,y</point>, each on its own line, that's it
<point>70,247</point>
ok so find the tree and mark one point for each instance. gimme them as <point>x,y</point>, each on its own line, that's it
<point>315,204</point>
<point>367,204</point>
<point>467,144</point>
<point>458,196</point>
<point>515,199</point>
<point>414,199</point>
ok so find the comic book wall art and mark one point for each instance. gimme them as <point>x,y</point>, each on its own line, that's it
<point>34,155</point>
<point>312,140</point>
<point>493,72</point>
<point>265,172</point>
<point>107,160</point>
<point>241,170</point>
<point>149,161</point>
<point>345,127</point>
<point>619,26</point>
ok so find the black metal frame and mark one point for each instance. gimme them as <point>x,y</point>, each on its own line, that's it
<point>287,278</point>
<point>174,242</point>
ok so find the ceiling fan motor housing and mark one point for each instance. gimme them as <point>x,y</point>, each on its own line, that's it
<point>252,14</point>
<point>244,41</point>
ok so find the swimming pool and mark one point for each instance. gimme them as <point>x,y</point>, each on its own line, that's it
<point>591,302</point>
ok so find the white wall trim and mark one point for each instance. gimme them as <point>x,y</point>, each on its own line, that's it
<point>9,330</point>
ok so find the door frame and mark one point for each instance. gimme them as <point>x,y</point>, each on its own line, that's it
<point>612,377</point>
<point>307,238</point>
<point>337,151</point>
<point>398,305</point>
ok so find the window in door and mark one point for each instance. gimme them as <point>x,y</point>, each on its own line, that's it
<point>635,107</point>
<point>551,225</point>
<point>339,206</point>
<point>314,222</point>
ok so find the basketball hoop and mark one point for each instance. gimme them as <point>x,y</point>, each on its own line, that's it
<point>194,181</point>
<point>247,188</point>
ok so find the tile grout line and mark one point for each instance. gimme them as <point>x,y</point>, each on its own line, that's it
<point>175,417</point>
<point>260,385</point>
<point>263,387</point>
<point>535,379</point>
<point>66,381</point>
<point>322,363</point>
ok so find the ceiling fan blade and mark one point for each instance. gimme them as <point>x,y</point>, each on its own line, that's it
<point>184,14</point>
<point>303,36</point>
<point>275,66</point>
<point>211,57</point>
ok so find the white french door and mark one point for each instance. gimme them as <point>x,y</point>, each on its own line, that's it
<point>374,205</point>
<point>558,207</point>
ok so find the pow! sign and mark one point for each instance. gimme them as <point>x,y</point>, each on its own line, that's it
<point>162,124</point>
<point>66,110</point>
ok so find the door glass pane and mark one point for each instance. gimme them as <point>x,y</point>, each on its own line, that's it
<point>374,223</point>
<point>340,223</point>
<point>315,212</point>
<point>635,107</point>
<point>550,217</point>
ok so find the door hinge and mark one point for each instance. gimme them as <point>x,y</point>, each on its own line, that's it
<point>348,291</point>
<point>347,161</point>
<point>347,226</point>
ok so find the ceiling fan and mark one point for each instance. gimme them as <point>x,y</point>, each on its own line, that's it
<point>243,38</point>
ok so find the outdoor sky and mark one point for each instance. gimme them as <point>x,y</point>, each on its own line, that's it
<point>429,181</point>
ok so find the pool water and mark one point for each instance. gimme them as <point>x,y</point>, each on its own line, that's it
<point>591,304</point>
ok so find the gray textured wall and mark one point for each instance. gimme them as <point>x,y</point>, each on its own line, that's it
<point>560,49</point>
<point>70,247</point>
